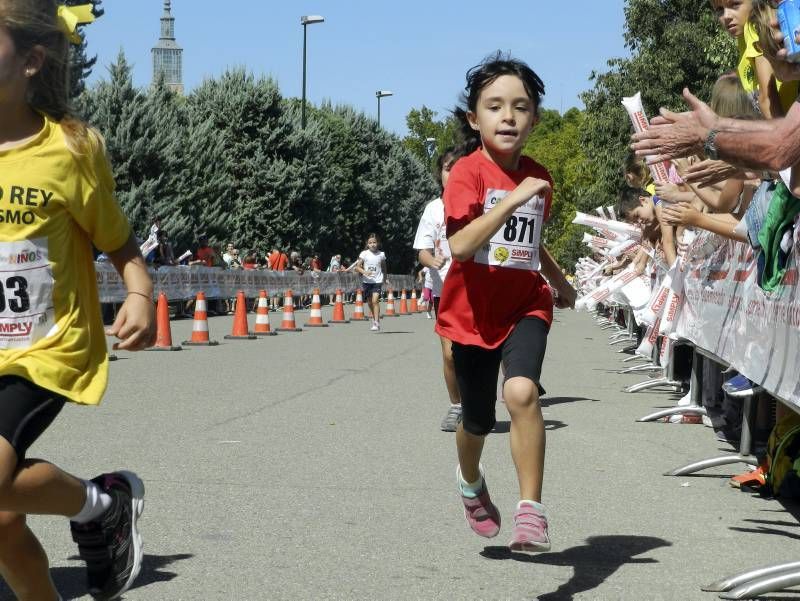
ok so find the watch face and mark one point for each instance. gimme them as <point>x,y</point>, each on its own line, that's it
<point>710,146</point>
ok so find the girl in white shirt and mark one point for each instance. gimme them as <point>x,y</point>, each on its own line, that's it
<point>371,265</point>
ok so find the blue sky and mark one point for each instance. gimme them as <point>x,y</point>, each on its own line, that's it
<point>420,50</point>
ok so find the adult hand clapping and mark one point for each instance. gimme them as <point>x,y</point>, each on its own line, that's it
<point>675,135</point>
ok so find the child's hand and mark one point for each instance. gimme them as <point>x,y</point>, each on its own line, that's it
<point>439,261</point>
<point>531,187</point>
<point>667,191</point>
<point>135,324</point>
<point>681,213</point>
<point>709,172</point>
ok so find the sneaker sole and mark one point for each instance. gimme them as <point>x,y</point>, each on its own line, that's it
<point>137,507</point>
<point>529,547</point>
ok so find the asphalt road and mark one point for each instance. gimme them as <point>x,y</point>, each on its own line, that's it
<point>311,466</point>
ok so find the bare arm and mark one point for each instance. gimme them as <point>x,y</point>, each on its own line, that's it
<point>551,270</point>
<point>135,322</point>
<point>640,261</point>
<point>470,238</point>
<point>721,223</point>
<point>757,144</point>
<point>768,100</point>
<point>723,201</point>
<point>775,145</point>
<point>428,259</point>
<point>359,267</point>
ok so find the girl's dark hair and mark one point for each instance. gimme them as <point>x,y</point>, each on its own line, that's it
<point>484,74</point>
<point>449,156</point>
<point>629,200</point>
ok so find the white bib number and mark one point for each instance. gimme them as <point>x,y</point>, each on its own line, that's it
<point>516,244</point>
<point>26,293</point>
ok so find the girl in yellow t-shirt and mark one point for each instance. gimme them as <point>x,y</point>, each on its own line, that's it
<point>771,96</point>
<point>56,200</point>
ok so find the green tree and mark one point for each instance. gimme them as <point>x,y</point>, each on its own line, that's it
<point>422,126</point>
<point>555,143</point>
<point>140,131</point>
<point>673,44</point>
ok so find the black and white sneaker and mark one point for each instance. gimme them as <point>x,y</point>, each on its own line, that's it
<point>111,545</point>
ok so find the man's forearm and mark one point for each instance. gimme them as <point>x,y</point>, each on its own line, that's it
<point>772,145</point>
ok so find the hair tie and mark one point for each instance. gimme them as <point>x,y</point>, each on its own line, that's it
<point>69,17</point>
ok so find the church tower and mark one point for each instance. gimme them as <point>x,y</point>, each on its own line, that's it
<point>167,55</point>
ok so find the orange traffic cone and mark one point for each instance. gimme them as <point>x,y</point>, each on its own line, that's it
<point>163,331</point>
<point>240,329</point>
<point>288,324</point>
<point>403,303</point>
<point>200,325</point>
<point>262,316</point>
<point>390,304</point>
<point>414,305</point>
<point>338,309</point>
<point>315,317</point>
<point>358,310</point>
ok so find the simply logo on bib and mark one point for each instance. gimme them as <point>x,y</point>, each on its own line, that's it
<point>26,293</point>
<point>516,244</point>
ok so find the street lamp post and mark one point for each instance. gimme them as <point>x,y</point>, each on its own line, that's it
<point>430,146</point>
<point>306,20</point>
<point>380,94</point>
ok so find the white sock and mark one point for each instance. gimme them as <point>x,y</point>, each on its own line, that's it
<point>471,489</point>
<point>537,506</point>
<point>97,502</point>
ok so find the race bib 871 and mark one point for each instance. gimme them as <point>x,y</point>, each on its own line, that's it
<point>516,244</point>
<point>26,293</point>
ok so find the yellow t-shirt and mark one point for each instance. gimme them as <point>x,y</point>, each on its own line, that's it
<point>787,92</point>
<point>53,206</point>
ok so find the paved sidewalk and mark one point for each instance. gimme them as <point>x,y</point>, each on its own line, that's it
<point>311,466</point>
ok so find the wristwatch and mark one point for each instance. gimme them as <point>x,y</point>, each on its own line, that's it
<point>710,146</point>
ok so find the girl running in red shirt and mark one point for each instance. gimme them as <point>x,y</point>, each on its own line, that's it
<point>495,305</point>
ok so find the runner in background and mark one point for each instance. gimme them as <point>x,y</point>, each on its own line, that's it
<point>424,278</point>
<point>371,265</point>
<point>434,254</point>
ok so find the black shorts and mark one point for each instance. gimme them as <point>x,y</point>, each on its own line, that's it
<point>26,411</point>
<point>370,289</point>
<point>522,354</point>
<point>436,305</point>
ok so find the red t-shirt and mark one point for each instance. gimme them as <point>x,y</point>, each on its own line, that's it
<point>481,304</point>
<point>278,261</point>
<point>206,255</point>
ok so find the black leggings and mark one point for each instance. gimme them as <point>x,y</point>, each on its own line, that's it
<point>522,354</point>
<point>26,411</point>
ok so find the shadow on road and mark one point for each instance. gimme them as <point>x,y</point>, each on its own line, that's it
<point>71,581</point>
<point>549,425</point>
<point>558,400</point>
<point>592,563</point>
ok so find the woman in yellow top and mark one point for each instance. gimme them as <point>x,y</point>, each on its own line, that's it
<point>56,200</point>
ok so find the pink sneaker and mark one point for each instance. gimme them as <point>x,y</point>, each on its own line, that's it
<point>530,530</point>
<point>480,513</point>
